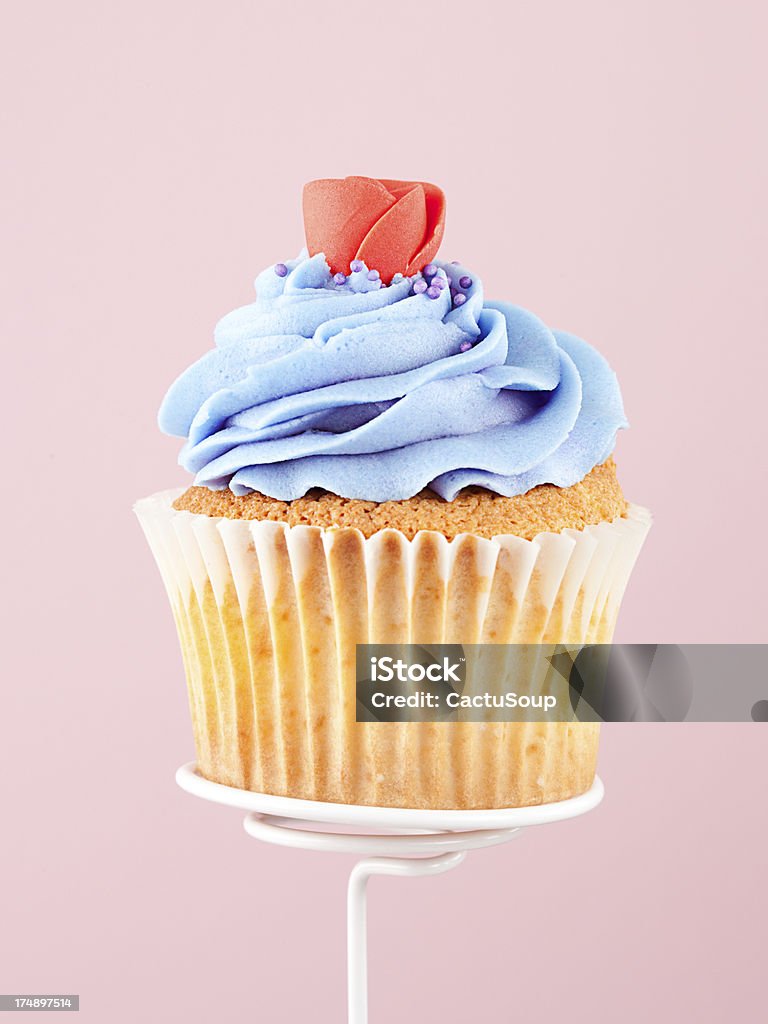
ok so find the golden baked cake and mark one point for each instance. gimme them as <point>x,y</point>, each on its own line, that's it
<point>382,455</point>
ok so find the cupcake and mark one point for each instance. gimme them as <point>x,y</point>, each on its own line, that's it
<point>382,455</point>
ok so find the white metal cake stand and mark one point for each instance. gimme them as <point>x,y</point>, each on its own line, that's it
<point>394,841</point>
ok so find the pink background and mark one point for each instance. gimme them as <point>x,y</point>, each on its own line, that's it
<point>605,167</point>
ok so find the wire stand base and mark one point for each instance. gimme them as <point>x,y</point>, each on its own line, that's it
<point>419,843</point>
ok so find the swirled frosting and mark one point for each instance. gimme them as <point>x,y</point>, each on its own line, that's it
<point>375,392</point>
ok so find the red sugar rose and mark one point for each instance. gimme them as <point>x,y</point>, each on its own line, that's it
<point>394,226</point>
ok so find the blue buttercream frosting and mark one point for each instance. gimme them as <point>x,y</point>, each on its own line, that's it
<point>376,392</point>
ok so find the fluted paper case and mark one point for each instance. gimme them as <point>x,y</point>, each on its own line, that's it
<point>269,617</point>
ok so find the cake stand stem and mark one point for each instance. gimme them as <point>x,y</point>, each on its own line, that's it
<point>393,841</point>
<point>357,912</point>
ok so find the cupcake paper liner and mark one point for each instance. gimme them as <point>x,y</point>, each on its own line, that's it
<point>269,617</point>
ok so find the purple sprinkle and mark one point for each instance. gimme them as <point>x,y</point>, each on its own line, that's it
<point>432,292</point>
<point>373,275</point>
<point>356,266</point>
<point>454,292</point>
<point>465,346</point>
<point>339,278</point>
<point>430,270</point>
<point>439,282</point>
<point>454,263</point>
<point>465,282</point>
<point>419,286</point>
<point>459,299</point>
<point>281,270</point>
